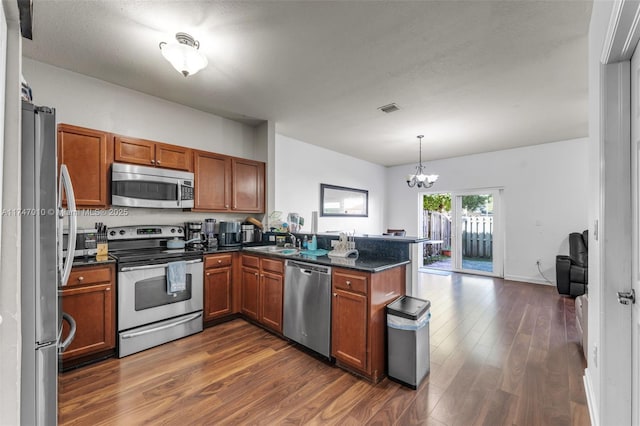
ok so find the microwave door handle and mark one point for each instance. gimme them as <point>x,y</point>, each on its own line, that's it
<point>179,193</point>
<point>65,181</point>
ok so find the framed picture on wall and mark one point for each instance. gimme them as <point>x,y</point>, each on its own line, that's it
<point>342,201</point>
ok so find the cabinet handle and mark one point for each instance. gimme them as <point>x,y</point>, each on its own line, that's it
<point>153,161</point>
<point>80,279</point>
<point>348,283</point>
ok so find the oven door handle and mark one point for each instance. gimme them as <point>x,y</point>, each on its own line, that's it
<point>162,327</point>
<point>161,265</point>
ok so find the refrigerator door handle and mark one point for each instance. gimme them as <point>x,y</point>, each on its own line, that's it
<point>65,182</point>
<point>72,332</point>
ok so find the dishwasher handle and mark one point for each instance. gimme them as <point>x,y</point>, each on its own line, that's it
<point>308,268</point>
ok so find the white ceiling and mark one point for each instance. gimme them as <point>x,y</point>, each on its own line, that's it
<point>472,76</point>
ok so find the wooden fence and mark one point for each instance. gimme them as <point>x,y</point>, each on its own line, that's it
<point>437,226</point>
<point>477,235</point>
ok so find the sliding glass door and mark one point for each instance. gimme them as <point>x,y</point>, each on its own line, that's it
<point>478,232</point>
<point>465,231</point>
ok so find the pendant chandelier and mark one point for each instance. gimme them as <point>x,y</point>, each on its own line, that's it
<point>419,178</point>
<point>184,54</point>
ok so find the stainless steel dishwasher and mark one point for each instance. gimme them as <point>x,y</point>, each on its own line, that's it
<point>307,305</point>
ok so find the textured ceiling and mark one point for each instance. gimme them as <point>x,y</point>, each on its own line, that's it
<point>472,76</point>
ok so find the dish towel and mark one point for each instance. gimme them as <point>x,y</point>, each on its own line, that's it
<point>176,277</point>
<point>317,252</point>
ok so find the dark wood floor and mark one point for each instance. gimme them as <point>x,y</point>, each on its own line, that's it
<point>501,353</point>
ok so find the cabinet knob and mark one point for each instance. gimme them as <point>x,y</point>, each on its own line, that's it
<point>348,283</point>
<point>107,289</point>
<point>335,294</point>
<point>226,206</point>
<point>262,275</point>
<point>80,279</point>
<point>219,261</point>
<point>256,274</point>
<point>158,162</point>
<point>153,161</point>
<point>208,273</point>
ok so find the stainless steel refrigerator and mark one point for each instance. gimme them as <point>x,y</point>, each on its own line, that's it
<point>43,271</point>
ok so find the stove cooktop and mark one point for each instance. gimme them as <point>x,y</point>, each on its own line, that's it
<point>156,253</point>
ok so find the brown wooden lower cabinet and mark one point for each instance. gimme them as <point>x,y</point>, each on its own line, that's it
<point>89,298</point>
<point>263,290</point>
<point>358,323</point>
<point>218,286</point>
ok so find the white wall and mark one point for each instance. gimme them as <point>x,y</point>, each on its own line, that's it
<point>300,168</point>
<point>544,199</point>
<point>88,102</point>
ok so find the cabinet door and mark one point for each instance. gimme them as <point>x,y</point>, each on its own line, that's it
<point>173,157</point>
<point>92,306</point>
<point>85,153</point>
<point>248,185</point>
<point>250,292</point>
<point>271,289</point>
<point>212,181</point>
<point>134,151</point>
<point>217,293</point>
<point>349,329</point>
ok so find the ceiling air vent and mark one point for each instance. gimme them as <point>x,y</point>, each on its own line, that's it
<point>389,108</point>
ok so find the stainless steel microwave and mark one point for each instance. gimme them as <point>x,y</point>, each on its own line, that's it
<point>141,186</point>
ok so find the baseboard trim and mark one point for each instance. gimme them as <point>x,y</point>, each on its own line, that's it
<point>527,280</point>
<point>588,390</point>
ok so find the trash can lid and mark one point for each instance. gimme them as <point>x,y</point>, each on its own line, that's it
<point>408,307</point>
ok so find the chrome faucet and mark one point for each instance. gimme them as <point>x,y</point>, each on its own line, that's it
<point>293,241</point>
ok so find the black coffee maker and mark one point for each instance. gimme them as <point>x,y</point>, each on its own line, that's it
<point>193,234</point>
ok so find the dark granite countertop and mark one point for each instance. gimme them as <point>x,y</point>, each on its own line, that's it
<point>222,250</point>
<point>362,263</point>
<point>91,261</point>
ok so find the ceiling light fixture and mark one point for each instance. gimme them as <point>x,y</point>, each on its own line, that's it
<point>419,179</point>
<point>184,54</point>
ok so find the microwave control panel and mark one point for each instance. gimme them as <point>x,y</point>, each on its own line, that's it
<point>187,192</point>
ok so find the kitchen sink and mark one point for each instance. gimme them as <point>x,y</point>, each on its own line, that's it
<point>283,251</point>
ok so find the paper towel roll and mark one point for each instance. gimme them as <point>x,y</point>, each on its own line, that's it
<point>314,222</point>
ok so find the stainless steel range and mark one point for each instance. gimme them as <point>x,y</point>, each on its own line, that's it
<point>149,311</point>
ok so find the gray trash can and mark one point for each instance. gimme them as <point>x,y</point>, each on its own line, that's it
<point>408,340</point>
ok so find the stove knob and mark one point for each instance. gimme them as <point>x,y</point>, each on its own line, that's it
<point>112,233</point>
<point>173,230</point>
<point>122,232</point>
<point>180,231</point>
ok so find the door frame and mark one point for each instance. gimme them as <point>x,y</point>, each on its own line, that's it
<point>609,237</point>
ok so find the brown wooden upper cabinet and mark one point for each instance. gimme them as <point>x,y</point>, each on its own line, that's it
<point>228,184</point>
<point>248,185</point>
<point>153,154</point>
<point>87,153</point>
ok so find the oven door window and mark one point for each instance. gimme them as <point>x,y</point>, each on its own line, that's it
<point>152,292</point>
<point>146,190</point>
